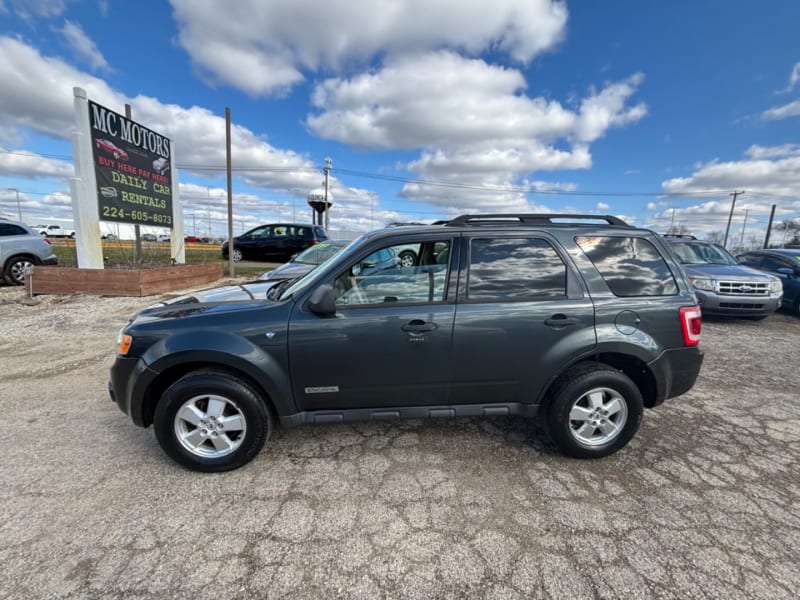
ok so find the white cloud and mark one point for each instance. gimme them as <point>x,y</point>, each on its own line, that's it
<point>792,109</point>
<point>83,47</point>
<point>602,206</point>
<point>766,175</point>
<point>472,122</point>
<point>37,94</point>
<point>780,176</point>
<point>32,166</point>
<point>758,152</point>
<point>264,47</point>
<point>601,111</point>
<point>794,78</point>
<point>29,9</point>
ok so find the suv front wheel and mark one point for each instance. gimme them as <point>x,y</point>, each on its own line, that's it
<point>594,413</point>
<point>210,421</point>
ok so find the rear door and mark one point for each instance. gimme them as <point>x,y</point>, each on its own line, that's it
<point>522,314</point>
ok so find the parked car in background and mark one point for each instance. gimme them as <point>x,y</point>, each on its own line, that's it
<point>304,262</point>
<point>193,239</point>
<point>276,242</point>
<point>20,248</point>
<point>722,285</point>
<point>149,237</point>
<point>783,263</point>
<point>55,231</point>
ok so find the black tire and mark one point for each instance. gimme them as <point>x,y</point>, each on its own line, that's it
<point>796,307</point>
<point>407,258</point>
<point>594,392</point>
<point>14,270</point>
<point>191,444</point>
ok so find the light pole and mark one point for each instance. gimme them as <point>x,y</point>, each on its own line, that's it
<point>208,208</point>
<point>19,207</point>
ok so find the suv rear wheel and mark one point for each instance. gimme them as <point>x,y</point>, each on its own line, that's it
<point>594,412</point>
<point>210,421</point>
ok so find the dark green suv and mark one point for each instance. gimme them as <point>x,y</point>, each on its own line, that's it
<point>579,320</point>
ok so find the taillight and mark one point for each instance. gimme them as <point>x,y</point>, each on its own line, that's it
<point>691,325</point>
<point>48,241</point>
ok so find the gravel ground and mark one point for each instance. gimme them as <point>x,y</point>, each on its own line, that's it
<point>705,502</point>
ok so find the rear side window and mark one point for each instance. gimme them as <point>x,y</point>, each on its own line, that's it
<point>630,266</point>
<point>515,269</point>
<point>11,229</point>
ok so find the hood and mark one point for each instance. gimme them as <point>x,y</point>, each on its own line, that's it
<point>730,272</point>
<point>254,290</point>
<point>291,270</point>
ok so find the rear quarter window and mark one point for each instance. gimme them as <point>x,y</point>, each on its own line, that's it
<point>630,266</point>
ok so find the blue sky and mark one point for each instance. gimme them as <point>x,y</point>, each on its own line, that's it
<point>653,111</point>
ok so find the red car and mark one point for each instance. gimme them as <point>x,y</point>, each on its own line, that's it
<point>107,146</point>
<point>193,239</point>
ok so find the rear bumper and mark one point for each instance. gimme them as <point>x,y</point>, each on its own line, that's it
<point>50,260</point>
<point>676,371</point>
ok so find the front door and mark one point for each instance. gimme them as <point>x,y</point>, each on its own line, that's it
<point>389,344</point>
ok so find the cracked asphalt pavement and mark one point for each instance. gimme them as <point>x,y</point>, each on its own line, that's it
<point>703,503</point>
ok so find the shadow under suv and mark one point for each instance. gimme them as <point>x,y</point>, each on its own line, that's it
<point>582,324</point>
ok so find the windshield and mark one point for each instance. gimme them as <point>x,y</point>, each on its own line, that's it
<point>702,254</point>
<point>300,284</point>
<point>318,254</point>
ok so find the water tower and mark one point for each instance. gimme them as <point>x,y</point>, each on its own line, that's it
<point>321,202</point>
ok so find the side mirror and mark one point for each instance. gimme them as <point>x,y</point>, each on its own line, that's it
<point>788,272</point>
<point>322,301</point>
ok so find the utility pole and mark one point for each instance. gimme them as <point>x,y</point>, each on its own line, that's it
<point>744,225</point>
<point>19,207</point>
<point>208,209</point>
<point>137,233</point>
<point>328,167</point>
<point>730,217</point>
<point>228,168</point>
<point>769,226</point>
<point>672,221</point>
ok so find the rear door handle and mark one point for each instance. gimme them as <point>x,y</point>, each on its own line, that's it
<point>418,326</point>
<point>560,320</point>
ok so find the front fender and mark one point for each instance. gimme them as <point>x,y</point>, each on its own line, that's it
<point>265,364</point>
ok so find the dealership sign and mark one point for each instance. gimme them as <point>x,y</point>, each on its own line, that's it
<point>132,169</point>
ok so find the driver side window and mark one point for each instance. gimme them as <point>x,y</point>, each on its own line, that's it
<point>381,278</point>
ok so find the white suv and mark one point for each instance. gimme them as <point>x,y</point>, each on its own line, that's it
<point>20,248</point>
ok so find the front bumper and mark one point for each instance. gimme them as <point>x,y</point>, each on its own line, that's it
<point>130,379</point>
<point>737,306</point>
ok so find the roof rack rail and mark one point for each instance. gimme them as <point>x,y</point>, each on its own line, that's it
<point>532,218</point>
<point>685,236</point>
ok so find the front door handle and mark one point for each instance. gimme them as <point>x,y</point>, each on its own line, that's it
<point>560,320</point>
<point>418,326</point>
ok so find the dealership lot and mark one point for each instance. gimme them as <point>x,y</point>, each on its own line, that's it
<point>704,502</point>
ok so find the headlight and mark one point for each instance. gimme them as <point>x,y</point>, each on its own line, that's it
<point>702,284</point>
<point>776,287</point>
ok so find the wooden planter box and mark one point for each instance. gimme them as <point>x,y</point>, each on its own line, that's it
<point>120,282</point>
